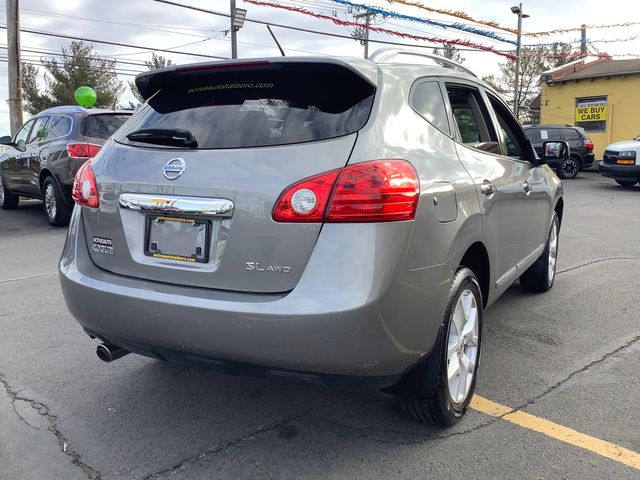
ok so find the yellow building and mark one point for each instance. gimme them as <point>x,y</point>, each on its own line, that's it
<point>602,96</point>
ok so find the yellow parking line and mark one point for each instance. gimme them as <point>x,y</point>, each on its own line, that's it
<point>553,430</point>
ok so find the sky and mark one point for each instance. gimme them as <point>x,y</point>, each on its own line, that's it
<point>155,25</point>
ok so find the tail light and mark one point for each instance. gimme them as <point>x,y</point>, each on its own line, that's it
<point>589,145</point>
<point>376,191</point>
<point>82,150</point>
<point>85,187</point>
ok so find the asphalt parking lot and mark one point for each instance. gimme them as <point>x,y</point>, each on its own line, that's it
<point>567,358</point>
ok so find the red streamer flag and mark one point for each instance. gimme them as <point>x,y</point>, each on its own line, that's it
<point>373,28</point>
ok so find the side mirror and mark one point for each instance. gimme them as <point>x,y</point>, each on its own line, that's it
<point>6,140</point>
<point>554,151</point>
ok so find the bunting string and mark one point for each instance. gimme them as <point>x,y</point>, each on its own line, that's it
<point>373,28</point>
<point>434,23</point>
<point>577,29</point>
<point>452,13</point>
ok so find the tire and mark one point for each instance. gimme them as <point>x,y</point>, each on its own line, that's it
<point>626,183</point>
<point>569,168</point>
<point>8,200</point>
<point>431,399</point>
<point>56,208</point>
<point>540,276</point>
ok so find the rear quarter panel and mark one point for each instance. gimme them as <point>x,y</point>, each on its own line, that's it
<point>447,220</point>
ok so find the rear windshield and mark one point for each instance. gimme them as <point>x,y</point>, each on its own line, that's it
<point>103,125</point>
<point>275,105</point>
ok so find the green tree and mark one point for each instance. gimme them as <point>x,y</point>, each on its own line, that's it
<point>157,61</point>
<point>533,62</point>
<point>450,52</point>
<point>79,66</point>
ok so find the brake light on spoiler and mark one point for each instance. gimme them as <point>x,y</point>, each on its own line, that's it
<point>375,191</point>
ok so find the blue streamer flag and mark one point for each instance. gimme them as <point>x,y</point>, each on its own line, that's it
<point>455,25</point>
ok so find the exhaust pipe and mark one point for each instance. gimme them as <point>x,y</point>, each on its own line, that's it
<point>109,353</point>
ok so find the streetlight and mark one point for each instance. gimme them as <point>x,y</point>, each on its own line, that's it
<point>518,11</point>
<point>237,21</point>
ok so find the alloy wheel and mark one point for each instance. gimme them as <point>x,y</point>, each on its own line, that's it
<point>50,201</point>
<point>462,346</point>
<point>569,168</point>
<point>553,251</point>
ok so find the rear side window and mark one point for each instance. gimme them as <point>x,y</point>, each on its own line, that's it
<point>569,134</point>
<point>59,126</point>
<point>472,119</point>
<point>102,125</point>
<point>277,104</point>
<point>426,99</point>
<point>549,134</point>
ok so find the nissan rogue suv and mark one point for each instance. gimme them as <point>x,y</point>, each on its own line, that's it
<point>320,217</point>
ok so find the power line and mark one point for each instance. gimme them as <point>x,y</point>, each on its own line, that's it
<point>157,28</point>
<point>106,42</point>
<point>40,64</point>
<point>306,30</point>
<point>58,54</point>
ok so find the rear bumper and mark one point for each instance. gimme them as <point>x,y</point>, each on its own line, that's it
<point>620,172</point>
<point>587,159</point>
<point>350,314</point>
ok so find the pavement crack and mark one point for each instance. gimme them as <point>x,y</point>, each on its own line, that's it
<point>29,277</point>
<point>558,384</point>
<point>52,426</point>
<point>599,260</point>
<point>214,451</point>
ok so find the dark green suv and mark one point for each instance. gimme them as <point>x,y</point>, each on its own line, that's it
<point>579,143</point>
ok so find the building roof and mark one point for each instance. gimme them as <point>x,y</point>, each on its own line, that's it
<point>606,68</point>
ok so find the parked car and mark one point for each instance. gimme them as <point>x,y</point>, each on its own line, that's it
<point>621,161</point>
<point>41,160</point>
<point>580,146</point>
<point>320,218</point>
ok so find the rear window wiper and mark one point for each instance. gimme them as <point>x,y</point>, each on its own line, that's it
<point>164,136</point>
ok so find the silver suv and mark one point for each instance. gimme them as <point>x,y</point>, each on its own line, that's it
<point>321,218</point>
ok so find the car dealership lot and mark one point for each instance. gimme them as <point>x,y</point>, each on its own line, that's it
<point>570,356</point>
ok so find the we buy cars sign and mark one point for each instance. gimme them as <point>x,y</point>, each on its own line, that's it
<point>593,111</point>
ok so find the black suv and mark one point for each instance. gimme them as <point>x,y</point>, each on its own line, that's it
<point>41,160</point>
<point>579,143</point>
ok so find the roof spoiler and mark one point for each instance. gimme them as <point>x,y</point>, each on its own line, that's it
<point>150,82</point>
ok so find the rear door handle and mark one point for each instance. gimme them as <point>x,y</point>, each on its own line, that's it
<point>487,187</point>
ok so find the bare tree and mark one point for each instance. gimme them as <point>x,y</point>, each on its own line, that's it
<point>157,61</point>
<point>533,62</point>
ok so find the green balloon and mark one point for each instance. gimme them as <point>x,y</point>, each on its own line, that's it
<point>86,96</point>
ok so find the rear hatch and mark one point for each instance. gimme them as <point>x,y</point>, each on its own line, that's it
<point>199,213</point>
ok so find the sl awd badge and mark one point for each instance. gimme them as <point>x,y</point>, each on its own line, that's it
<point>174,168</point>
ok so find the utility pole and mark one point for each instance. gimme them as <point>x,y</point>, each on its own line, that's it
<point>362,33</point>
<point>518,11</point>
<point>13,53</point>
<point>234,35</point>
<point>583,40</point>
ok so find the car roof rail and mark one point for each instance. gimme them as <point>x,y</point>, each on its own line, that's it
<point>387,55</point>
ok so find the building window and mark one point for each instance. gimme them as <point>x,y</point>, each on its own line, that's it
<point>591,113</point>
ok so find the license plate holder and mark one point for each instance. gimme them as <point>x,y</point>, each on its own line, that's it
<point>177,238</point>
